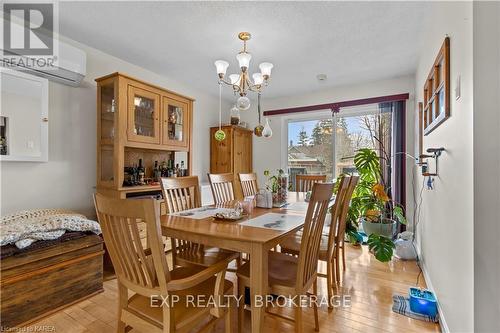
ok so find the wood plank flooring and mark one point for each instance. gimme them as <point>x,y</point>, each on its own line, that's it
<point>369,284</point>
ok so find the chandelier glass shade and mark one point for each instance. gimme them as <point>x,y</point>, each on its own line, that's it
<point>242,82</point>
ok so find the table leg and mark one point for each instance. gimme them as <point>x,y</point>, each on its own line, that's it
<point>258,285</point>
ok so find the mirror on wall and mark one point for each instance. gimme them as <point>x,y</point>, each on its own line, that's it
<point>23,117</point>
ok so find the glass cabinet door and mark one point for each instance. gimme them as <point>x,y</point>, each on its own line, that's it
<point>107,125</point>
<point>143,117</point>
<point>175,123</point>
<point>108,111</point>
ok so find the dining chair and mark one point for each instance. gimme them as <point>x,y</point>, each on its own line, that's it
<point>343,223</point>
<point>183,193</point>
<point>146,273</point>
<point>222,187</point>
<point>291,276</point>
<point>304,183</point>
<point>248,183</point>
<point>292,244</point>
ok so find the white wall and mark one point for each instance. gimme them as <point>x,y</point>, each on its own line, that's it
<point>68,179</point>
<point>445,230</point>
<point>269,154</point>
<point>486,166</point>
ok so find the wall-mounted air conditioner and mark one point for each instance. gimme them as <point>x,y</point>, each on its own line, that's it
<point>70,70</point>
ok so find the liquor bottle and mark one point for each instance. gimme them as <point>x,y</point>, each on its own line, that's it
<point>177,171</point>
<point>169,169</point>
<point>156,173</point>
<point>163,169</point>
<point>141,172</point>
<point>183,170</point>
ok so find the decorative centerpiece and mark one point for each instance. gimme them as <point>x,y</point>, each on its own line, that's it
<point>278,185</point>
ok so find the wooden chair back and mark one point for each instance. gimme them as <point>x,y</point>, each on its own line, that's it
<point>311,236</point>
<point>345,209</point>
<point>181,193</point>
<point>222,187</point>
<point>248,183</point>
<point>335,212</point>
<point>304,183</point>
<point>135,269</point>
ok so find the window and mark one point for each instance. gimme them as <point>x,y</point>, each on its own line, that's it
<point>310,148</point>
<point>327,145</point>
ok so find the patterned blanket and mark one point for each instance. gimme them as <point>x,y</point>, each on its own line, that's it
<point>26,227</point>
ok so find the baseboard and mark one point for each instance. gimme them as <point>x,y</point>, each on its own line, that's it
<point>428,281</point>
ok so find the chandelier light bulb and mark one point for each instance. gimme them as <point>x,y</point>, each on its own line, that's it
<point>221,66</point>
<point>265,69</point>
<point>243,103</point>
<point>244,60</point>
<point>257,79</point>
<point>234,79</point>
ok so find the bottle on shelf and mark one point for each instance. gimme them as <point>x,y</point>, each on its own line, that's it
<point>163,169</point>
<point>183,170</point>
<point>141,172</point>
<point>177,170</point>
<point>156,173</point>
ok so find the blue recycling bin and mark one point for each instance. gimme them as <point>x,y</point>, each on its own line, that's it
<point>422,301</point>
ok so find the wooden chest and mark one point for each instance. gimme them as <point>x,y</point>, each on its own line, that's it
<point>37,283</point>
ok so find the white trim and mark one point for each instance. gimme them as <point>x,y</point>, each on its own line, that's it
<point>428,282</point>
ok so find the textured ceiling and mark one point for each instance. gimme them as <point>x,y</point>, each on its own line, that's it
<point>349,41</point>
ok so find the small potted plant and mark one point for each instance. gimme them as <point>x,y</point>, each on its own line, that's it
<point>278,185</point>
<point>371,204</point>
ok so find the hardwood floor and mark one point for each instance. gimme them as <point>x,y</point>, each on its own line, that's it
<point>369,284</point>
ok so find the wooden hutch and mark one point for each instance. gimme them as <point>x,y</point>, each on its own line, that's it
<point>233,154</point>
<point>137,120</point>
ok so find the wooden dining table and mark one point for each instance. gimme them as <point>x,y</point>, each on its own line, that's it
<point>255,241</point>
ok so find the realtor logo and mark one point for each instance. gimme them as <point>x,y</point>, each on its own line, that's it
<point>30,34</point>
<point>28,29</point>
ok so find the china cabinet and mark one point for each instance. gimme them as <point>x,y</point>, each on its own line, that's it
<point>141,128</point>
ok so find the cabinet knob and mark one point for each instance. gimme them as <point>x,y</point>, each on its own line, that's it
<point>45,120</point>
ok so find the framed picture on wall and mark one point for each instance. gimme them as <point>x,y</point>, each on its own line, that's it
<point>436,106</point>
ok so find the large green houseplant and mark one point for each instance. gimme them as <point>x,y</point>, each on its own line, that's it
<point>371,203</point>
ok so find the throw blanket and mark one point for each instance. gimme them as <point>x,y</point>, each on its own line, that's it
<point>26,227</point>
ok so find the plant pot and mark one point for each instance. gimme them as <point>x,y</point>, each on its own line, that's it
<point>387,228</point>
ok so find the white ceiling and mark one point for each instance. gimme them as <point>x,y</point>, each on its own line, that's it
<point>351,42</point>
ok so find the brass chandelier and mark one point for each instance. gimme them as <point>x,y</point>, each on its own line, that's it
<point>241,83</point>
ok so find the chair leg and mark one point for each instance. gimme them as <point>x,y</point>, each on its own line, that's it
<point>122,303</point>
<point>241,305</point>
<point>315,306</point>
<point>228,319</point>
<point>298,318</point>
<point>329,283</point>
<point>337,267</point>
<point>343,256</point>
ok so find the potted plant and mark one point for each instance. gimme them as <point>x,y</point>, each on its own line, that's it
<point>371,204</point>
<point>278,185</point>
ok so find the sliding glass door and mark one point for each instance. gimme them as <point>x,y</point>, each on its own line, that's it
<point>310,148</point>
<point>327,145</point>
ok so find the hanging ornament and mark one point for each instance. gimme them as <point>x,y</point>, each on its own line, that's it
<point>259,128</point>
<point>220,135</point>
<point>267,132</point>
<point>243,103</point>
